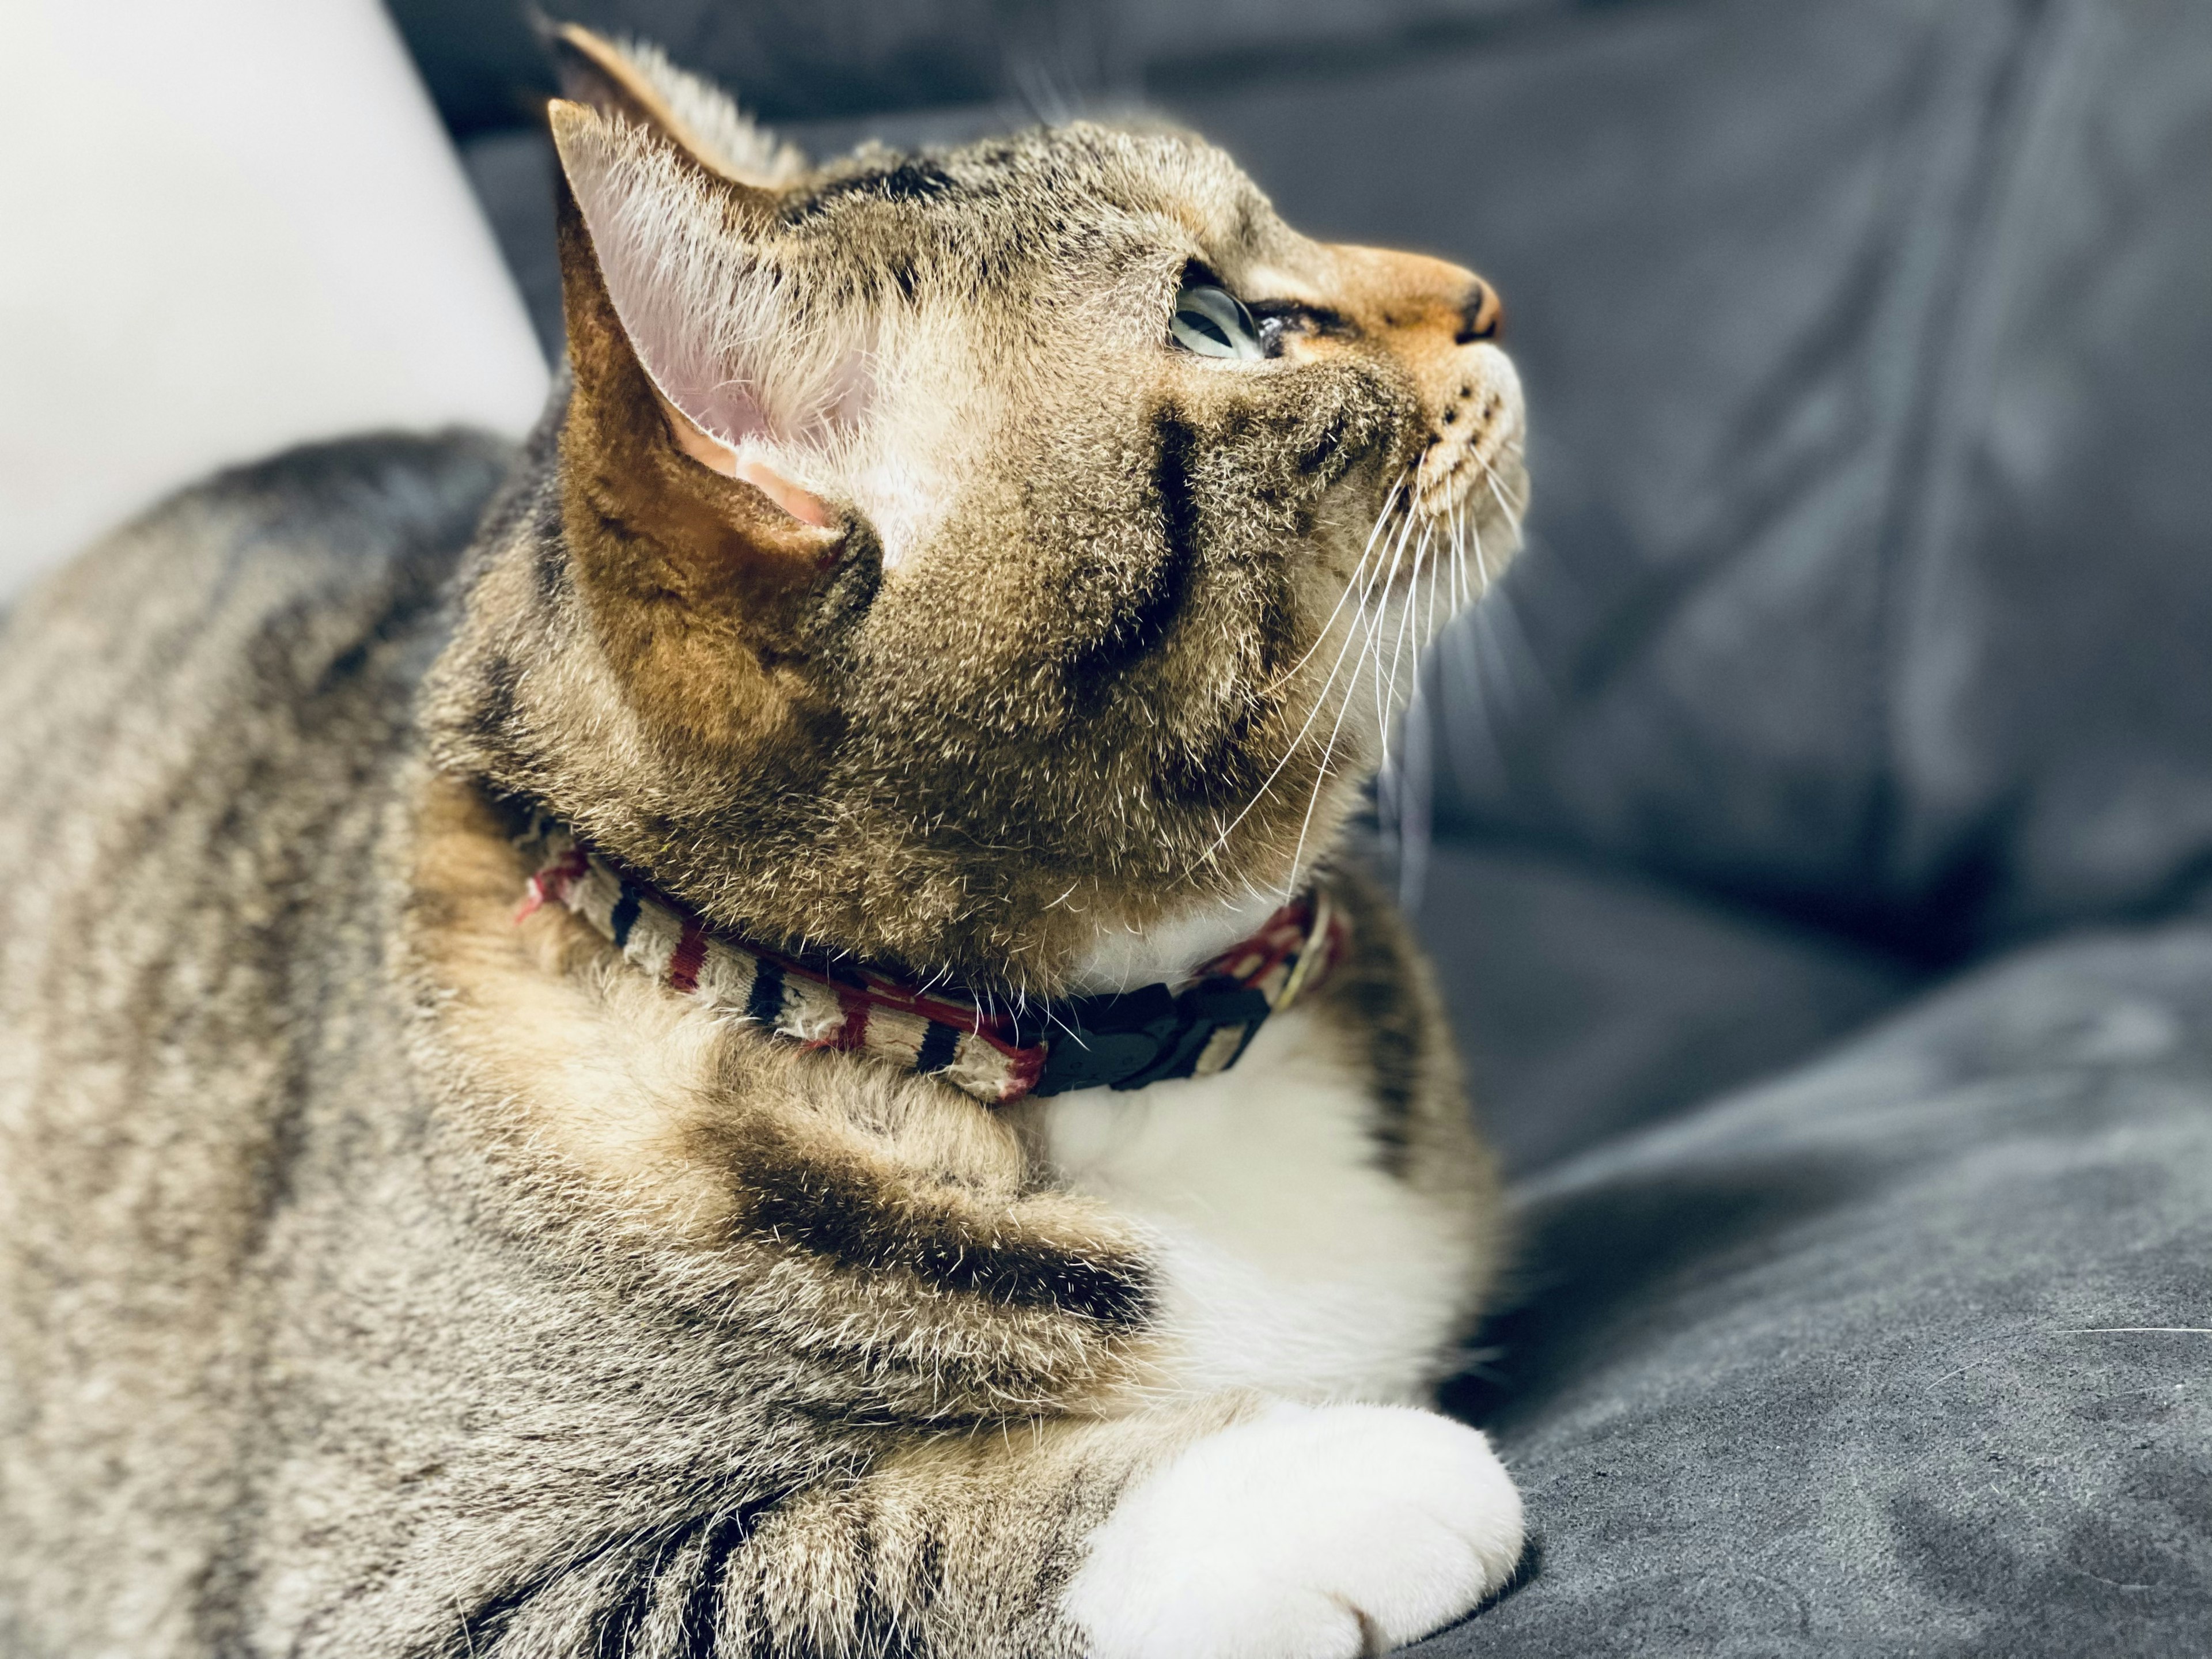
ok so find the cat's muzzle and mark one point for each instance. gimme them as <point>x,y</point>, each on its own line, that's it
<point>1470,467</point>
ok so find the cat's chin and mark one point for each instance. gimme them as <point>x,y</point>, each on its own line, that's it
<point>1123,958</point>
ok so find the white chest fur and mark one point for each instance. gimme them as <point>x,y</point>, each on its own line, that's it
<point>1291,1260</point>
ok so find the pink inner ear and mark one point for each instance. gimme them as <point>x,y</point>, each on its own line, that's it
<point>663,251</point>
<point>712,452</point>
<point>811,509</point>
<point>709,323</point>
<point>727,411</point>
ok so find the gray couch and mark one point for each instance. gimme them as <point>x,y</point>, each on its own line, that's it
<point>1819,815</point>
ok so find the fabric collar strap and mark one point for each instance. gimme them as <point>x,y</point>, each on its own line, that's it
<point>1123,1041</point>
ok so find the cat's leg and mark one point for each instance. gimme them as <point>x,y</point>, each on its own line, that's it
<point>1234,1526</point>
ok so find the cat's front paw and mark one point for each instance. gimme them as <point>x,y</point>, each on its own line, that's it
<point>1305,1533</point>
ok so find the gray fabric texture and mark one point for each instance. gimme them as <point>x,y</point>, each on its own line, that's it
<point>1880,1359</point>
<point>1590,1002</point>
<point>1859,642</point>
<point>796,61</point>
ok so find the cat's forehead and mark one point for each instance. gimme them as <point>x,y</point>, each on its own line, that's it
<point>1085,183</point>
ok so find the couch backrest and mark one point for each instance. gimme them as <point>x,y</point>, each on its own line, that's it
<point>1872,355</point>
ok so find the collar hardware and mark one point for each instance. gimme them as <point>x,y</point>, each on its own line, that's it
<point>1136,1038</point>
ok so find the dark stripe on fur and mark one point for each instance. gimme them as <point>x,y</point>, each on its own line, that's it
<point>836,1215</point>
<point>913,179</point>
<point>891,1608</point>
<point>856,1219</point>
<point>1172,480</point>
<point>493,722</point>
<point>480,1631</point>
<point>1141,601</point>
<point>703,1609</point>
<point>1376,982</point>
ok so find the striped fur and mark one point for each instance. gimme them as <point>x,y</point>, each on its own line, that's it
<point>381,1276</point>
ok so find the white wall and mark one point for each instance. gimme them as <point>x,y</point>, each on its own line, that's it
<point>225,225</point>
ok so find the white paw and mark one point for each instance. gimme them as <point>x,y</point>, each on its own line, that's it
<point>1307,1533</point>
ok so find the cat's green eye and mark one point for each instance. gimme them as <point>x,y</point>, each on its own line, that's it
<point>1211,322</point>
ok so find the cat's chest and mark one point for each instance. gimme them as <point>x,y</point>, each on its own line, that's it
<point>1291,1259</point>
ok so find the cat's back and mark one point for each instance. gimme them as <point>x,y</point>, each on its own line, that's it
<point>187,710</point>
<point>183,633</point>
<point>199,719</point>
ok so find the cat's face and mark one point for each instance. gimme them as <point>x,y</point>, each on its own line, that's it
<point>966,559</point>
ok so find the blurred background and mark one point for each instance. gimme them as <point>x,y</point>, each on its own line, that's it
<point>1867,343</point>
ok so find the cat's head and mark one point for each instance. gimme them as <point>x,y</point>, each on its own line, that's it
<point>978,561</point>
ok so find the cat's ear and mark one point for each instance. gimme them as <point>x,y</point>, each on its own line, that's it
<point>741,349</point>
<point>696,376</point>
<point>636,81</point>
<point>668,249</point>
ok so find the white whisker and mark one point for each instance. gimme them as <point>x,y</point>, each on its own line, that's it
<point>1467,594</point>
<point>1512,514</point>
<point>1382,620</point>
<point>1354,586</point>
<point>1406,622</point>
<point>1451,573</point>
<point>1320,637</point>
<point>1435,541</point>
<point>1443,550</point>
<point>1320,776</point>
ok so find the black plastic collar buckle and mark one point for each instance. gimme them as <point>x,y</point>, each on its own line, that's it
<point>1138,1038</point>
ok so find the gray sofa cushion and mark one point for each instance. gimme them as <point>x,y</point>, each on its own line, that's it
<point>809,60</point>
<point>1905,1352</point>
<point>1589,1001</point>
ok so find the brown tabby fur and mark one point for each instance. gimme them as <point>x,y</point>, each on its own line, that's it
<point>383,1277</point>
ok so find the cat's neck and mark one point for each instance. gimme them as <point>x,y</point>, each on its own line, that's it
<point>1123,958</point>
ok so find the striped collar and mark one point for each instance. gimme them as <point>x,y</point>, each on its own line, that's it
<point>1127,1040</point>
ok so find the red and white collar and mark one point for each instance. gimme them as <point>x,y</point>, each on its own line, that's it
<point>1127,1040</point>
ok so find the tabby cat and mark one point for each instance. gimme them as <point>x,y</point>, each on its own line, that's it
<point>737,1034</point>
